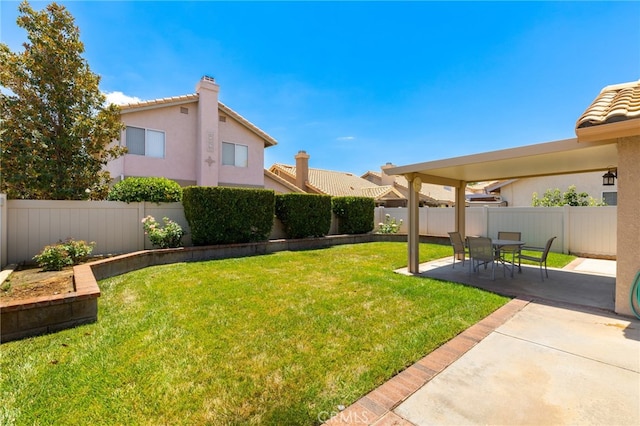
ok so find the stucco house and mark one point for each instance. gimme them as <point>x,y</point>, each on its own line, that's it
<point>334,183</point>
<point>193,139</point>
<point>519,192</point>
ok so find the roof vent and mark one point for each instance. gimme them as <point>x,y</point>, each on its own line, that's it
<point>222,118</point>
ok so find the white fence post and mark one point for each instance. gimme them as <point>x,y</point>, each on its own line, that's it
<point>566,228</point>
<point>142,213</point>
<point>3,230</point>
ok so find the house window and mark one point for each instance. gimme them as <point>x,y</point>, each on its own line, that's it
<point>611,198</point>
<point>235,155</point>
<point>149,143</point>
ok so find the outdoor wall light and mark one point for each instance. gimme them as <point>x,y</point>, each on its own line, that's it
<point>609,178</point>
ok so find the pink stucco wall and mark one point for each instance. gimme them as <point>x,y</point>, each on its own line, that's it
<point>180,150</point>
<point>233,132</point>
<point>193,142</point>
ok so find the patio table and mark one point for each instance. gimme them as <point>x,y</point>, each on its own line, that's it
<point>498,244</point>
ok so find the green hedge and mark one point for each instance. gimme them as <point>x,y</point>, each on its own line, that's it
<point>219,215</point>
<point>304,215</point>
<point>153,189</point>
<point>355,214</point>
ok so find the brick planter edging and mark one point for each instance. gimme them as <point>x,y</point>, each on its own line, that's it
<point>47,314</point>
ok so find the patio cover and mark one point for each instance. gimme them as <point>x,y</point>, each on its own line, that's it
<point>551,158</point>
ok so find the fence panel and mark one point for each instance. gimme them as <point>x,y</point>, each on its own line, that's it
<point>536,224</point>
<point>33,224</point>
<point>440,221</point>
<point>593,230</point>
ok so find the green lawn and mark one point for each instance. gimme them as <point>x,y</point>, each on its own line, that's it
<point>274,339</point>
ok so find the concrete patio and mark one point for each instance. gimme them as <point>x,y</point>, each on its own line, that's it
<point>556,354</point>
<point>584,282</point>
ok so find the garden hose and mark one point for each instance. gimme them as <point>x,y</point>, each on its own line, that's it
<point>635,292</point>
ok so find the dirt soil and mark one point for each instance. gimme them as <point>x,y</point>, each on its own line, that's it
<point>32,282</point>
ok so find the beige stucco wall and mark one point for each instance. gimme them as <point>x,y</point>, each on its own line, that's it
<point>180,150</point>
<point>278,187</point>
<point>520,192</point>
<point>628,260</point>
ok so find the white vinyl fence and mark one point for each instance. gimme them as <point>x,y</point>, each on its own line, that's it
<point>586,231</point>
<point>26,226</point>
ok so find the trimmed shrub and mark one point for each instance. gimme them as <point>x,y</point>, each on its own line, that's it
<point>355,214</point>
<point>152,189</point>
<point>219,215</point>
<point>304,215</point>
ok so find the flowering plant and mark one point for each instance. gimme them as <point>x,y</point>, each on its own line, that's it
<point>390,226</point>
<point>169,236</point>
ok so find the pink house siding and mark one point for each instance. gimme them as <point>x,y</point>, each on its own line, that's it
<point>233,132</point>
<point>194,126</point>
<point>179,160</point>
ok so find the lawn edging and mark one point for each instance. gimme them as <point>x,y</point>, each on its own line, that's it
<point>48,314</point>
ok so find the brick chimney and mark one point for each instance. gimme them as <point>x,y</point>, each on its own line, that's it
<point>387,179</point>
<point>302,170</point>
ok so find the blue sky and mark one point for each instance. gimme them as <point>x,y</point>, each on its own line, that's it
<point>359,84</point>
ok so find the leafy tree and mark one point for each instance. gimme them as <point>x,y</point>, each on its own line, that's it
<point>553,198</point>
<point>57,126</point>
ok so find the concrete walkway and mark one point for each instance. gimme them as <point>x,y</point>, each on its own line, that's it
<point>533,361</point>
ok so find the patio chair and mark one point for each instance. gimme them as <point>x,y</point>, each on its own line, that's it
<point>514,251</point>
<point>542,259</point>
<point>481,253</point>
<point>458,247</point>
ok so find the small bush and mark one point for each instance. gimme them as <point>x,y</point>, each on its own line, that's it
<point>78,251</point>
<point>65,253</point>
<point>152,189</point>
<point>169,236</point>
<point>304,215</point>
<point>389,226</point>
<point>355,214</point>
<point>221,215</point>
<point>53,258</point>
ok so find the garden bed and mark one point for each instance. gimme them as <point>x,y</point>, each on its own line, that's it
<point>34,303</point>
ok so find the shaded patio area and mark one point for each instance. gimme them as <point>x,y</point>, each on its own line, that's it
<point>584,282</point>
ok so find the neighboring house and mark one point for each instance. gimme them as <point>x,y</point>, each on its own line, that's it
<point>192,139</point>
<point>278,184</point>
<point>327,182</point>
<point>430,195</point>
<point>519,192</point>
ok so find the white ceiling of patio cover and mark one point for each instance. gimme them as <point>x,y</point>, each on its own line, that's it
<point>551,158</point>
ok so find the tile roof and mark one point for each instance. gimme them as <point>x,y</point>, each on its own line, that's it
<point>428,190</point>
<point>341,183</point>
<point>615,103</point>
<point>179,100</point>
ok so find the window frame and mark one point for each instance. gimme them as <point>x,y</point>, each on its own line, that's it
<point>146,141</point>
<point>610,192</point>
<point>236,146</point>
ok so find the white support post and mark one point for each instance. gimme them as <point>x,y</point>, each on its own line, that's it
<point>460,225</point>
<point>413,236</point>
